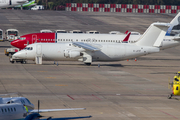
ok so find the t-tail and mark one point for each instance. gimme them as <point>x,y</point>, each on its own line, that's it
<point>154,35</point>
<point>126,32</point>
<point>174,29</point>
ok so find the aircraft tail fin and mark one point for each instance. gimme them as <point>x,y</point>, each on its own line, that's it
<point>154,35</point>
<point>126,32</point>
<point>126,38</point>
<point>174,22</point>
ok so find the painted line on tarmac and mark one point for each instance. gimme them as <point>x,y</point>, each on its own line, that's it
<point>70,97</point>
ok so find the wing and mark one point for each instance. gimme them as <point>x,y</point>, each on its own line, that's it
<point>86,46</point>
<point>53,110</point>
<point>67,118</point>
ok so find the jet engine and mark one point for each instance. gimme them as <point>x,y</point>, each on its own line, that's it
<point>71,54</point>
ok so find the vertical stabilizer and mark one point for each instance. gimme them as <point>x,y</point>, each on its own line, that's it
<point>154,35</point>
<point>175,22</point>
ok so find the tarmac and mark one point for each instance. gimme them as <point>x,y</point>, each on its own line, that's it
<point>124,90</point>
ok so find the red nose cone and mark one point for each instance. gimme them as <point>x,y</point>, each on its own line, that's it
<point>14,43</point>
<point>17,43</point>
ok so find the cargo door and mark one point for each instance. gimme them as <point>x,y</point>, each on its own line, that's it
<point>34,39</point>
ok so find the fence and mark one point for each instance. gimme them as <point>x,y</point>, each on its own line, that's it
<point>89,7</point>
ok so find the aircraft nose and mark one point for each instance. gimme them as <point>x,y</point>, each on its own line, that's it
<point>18,43</point>
<point>15,43</point>
<point>20,55</point>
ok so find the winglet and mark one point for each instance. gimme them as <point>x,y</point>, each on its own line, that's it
<point>126,32</point>
<point>126,38</point>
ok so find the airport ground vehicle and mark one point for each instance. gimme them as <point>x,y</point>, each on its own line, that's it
<point>1,35</point>
<point>61,31</point>
<point>11,34</point>
<point>38,7</point>
<point>10,51</point>
<point>93,32</point>
<point>45,31</point>
<point>76,31</point>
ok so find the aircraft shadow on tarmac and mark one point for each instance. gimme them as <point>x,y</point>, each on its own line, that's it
<point>75,64</point>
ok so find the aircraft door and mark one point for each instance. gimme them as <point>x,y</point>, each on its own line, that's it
<point>38,50</point>
<point>34,39</point>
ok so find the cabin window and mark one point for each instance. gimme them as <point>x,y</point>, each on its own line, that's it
<point>176,88</point>
<point>5,110</point>
<point>8,110</point>
<point>14,109</point>
<point>11,110</point>
<point>2,110</point>
<point>63,39</point>
<point>71,39</point>
<point>76,39</point>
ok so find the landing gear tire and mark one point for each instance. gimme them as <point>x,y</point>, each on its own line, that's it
<point>88,64</point>
<point>170,96</point>
<point>12,61</point>
<point>23,62</point>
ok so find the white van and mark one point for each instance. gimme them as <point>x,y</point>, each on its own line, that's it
<point>38,7</point>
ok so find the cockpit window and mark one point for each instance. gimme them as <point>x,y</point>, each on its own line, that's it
<point>22,38</point>
<point>28,101</point>
<point>28,48</point>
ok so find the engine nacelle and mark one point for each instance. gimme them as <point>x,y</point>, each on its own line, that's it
<point>71,54</point>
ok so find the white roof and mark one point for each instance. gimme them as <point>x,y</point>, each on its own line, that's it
<point>45,30</point>
<point>11,30</point>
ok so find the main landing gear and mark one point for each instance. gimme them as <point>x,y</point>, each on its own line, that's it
<point>88,64</point>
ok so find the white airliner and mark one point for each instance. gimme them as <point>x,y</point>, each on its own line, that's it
<point>11,3</point>
<point>148,43</point>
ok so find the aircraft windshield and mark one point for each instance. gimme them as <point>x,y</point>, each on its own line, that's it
<point>28,101</point>
<point>22,38</point>
<point>28,48</point>
<point>15,33</point>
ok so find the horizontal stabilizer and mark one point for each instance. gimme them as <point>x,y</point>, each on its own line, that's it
<point>86,46</point>
<point>176,38</point>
